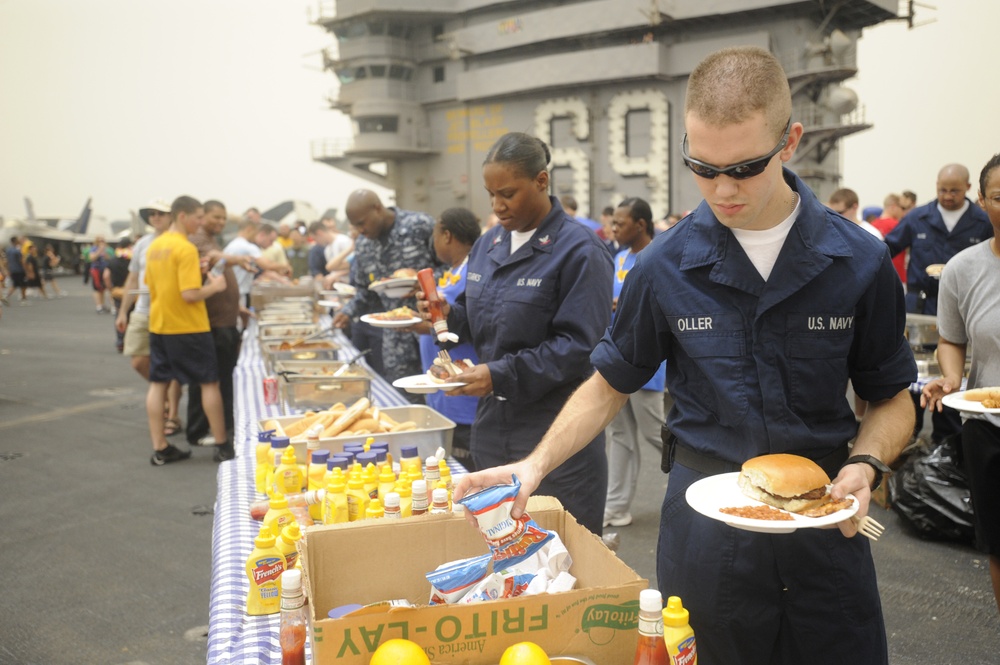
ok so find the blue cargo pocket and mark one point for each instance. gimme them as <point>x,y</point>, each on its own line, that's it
<point>818,374</point>
<point>714,374</point>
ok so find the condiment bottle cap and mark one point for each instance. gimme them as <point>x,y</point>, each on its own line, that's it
<point>674,614</point>
<point>650,600</point>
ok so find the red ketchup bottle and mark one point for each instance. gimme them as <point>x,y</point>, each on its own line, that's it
<point>293,619</point>
<point>435,306</point>
<point>651,649</point>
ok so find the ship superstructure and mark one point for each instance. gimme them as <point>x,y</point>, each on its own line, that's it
<point>431,84</point>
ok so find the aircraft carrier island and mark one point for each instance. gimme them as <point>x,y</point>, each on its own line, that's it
<point>430,84</point>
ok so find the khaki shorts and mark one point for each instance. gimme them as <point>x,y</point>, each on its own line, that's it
<point>137,335</point>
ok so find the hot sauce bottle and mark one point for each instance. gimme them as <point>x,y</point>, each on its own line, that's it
<point>435,305</point>
<point>651,649</point>
<point>293,619</point>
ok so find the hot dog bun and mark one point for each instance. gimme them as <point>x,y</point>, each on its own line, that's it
<point>444,372</point>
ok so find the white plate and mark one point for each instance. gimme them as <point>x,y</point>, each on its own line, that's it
<point>344,289</point>
<point>421,384</point>
<point>956,401</point>
<point>328,303</point>
<point>721,491</point>
<point>397,287</point>
<point>402,323</point>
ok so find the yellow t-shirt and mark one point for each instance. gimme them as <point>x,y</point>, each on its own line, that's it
<point>284,243</point>
<point>172,266</point>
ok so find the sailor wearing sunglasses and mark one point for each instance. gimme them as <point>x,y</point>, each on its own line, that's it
<point>763,303</point>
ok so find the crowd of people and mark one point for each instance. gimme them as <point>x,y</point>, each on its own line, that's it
<point>756,310</point>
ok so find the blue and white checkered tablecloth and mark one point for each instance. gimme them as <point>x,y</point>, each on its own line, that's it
<point>234,636</point>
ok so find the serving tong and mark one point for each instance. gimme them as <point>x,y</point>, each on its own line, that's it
<point>343,368</point>
<point>302,340</point>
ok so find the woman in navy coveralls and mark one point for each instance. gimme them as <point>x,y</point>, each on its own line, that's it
<point>535,305</point>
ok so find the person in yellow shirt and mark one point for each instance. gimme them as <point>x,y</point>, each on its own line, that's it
<point>180,338</point>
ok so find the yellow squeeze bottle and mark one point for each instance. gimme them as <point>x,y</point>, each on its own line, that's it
<point>264,568</point>
<point>357,498</point>
<point>263,460</point>
<point>278,446</point>
<point>370,478</point>
<point>286,544</point>
<point>445,471</point>
<point>678,634</point>
<point>405,497</point>
<point>278,515</point>
<point>288,475</point>
<point>386,481</point>
<point>335,502</point>
<point>316,474</point>
<point>375,510</point>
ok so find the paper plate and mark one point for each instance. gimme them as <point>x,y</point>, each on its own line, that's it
<point>379,323</point>
<point>421,384</point>
<point>709,494</point>
<point>958,401</point>
<point>397,287</point>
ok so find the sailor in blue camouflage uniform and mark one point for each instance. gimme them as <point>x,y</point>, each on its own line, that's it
<point>391,239</point>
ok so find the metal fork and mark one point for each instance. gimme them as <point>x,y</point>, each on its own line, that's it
<point>868,527</point>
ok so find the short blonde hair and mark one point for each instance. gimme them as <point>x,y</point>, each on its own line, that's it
<point>730,85</point>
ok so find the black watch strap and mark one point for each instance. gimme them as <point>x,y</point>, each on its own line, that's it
<point>880,467</point>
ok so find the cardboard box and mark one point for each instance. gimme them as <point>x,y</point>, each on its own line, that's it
<point>366,562</point>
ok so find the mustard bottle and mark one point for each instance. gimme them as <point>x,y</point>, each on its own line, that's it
<point>278,515</point>
<point>445,471</point>
<point>335,502</point>
<point>370,478</point>
<point>405,492</point>
<point>288,475</point>
<point>375,510</point>
<point>315,476</point>
<point>678,634</point>
<point>357,498</point>
<point>264,567</point>
<point>286,544</point>
<point>386,481</point>
<point>262,454</point>
<point>278,445</point>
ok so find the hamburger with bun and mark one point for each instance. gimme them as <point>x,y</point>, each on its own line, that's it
<point>790,482</point>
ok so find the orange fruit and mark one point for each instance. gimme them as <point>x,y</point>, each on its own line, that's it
<point>399,652</point>
<point>525,653</point>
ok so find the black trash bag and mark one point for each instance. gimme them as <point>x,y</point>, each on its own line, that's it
<point>931,493</point>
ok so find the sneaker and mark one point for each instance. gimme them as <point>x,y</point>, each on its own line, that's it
<point>612,519</point>
<point>224,452</point>
<point>207,440</point>
<point>168,455</point>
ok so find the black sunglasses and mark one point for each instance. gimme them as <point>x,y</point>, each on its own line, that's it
<point>743,170</point>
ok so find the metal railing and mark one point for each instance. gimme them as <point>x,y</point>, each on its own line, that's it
<point>330,148</point>
<point>817,116</point>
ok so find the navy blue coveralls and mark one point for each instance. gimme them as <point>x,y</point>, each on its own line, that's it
<point>924,232</point>
<point>534,316</point>
<point>759,367</point>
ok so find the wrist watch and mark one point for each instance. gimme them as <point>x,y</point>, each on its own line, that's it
<point>880,467</point>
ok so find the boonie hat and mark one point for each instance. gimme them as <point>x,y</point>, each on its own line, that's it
<point>156,204</point>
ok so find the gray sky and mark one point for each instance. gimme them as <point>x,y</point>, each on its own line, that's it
<point>127,100</point>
